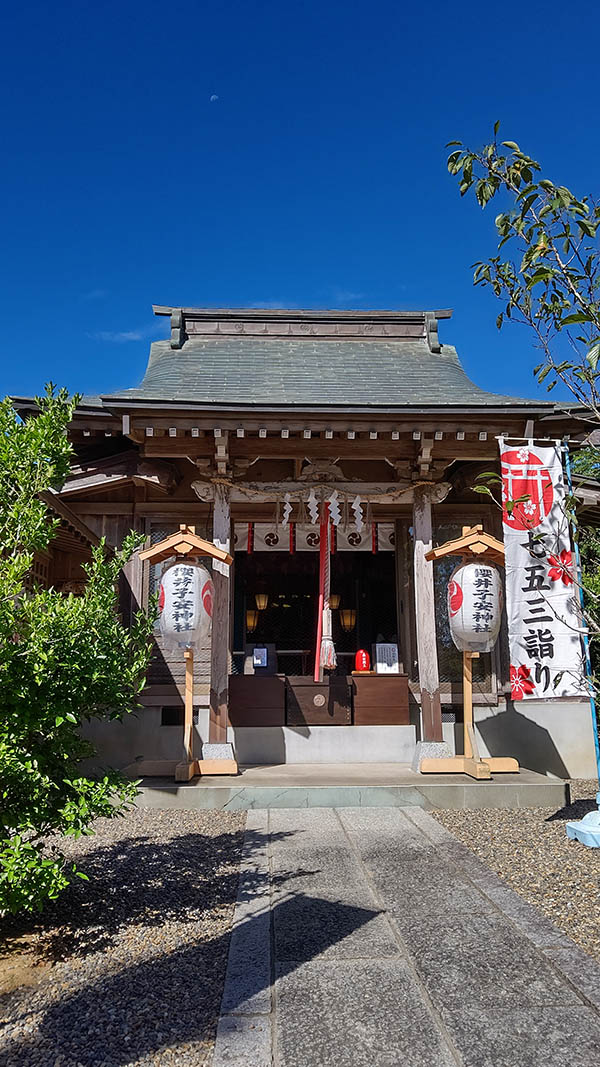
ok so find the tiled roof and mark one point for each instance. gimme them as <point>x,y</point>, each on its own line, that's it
<point>304,372</point>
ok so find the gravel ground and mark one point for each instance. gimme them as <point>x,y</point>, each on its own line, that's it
<point>128,968</point>
<point>529,849</point>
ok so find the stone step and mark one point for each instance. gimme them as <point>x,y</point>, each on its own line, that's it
<point>360,785</point>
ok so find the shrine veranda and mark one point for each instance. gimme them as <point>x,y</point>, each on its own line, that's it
<point>245,424</point>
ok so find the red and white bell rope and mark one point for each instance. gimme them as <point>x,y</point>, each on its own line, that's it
<point>325,657</point>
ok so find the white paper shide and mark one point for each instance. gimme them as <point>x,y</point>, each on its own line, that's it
<point>544,617</point>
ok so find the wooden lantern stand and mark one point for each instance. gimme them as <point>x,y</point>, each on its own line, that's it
<point>473,543</point>
<point>185,545</point>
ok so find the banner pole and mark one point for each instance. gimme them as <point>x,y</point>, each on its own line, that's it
<point>586,640</point>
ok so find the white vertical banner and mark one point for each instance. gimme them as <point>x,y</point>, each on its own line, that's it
<point>544,617</point>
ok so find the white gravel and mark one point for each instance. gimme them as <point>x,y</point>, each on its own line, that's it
<point>134,958</point>
<point>529,849</point>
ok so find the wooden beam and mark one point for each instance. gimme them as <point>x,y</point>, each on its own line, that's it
<point>429,681</point>
<point>102,507</point>
<point>375,492</point>
<point>111,472</point>
<point>60,507</point>
<point>220,644</point>
<point>176,447</point>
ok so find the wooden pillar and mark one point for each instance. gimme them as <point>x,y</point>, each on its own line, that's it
<point>220,651</point>
<point>405,610</point>
<point>132,578</point>
<point>429,680</point>
<point>467,658</point>
<point>188,718</point>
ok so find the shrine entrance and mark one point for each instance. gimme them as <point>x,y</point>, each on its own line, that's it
<point>276,604</point>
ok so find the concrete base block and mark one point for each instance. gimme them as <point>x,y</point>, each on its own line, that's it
<point>217,759</point>
<point>263,745</point>
<point>211,751</point>
<point>430,750</point>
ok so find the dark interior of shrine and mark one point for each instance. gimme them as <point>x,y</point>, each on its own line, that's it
<point>287,587</point>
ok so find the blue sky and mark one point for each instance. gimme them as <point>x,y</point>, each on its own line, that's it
<point>287,154</point>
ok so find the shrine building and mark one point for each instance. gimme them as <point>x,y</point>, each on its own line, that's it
<point>246,424</point>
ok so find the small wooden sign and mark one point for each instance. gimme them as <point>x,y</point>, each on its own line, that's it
<point>387,660</point>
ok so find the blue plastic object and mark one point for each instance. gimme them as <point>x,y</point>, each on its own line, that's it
<point>587,830</point>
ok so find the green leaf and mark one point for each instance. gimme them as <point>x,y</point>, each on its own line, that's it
<point>587,228</point>
<point>496,126</point>
<point>512,145</point>
<point>593,356</point>
<point>578,316</point>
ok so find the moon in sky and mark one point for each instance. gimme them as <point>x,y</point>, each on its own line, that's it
<point>213,98</point>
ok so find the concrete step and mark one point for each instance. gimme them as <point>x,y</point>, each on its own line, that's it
<point>358,785</point>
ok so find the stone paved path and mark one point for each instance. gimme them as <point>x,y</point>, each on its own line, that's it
<point>373,938</point>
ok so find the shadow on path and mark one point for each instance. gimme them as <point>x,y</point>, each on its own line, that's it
<point>172,999</point>
<point>126,1016</point>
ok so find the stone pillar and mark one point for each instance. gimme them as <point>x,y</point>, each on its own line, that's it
<point>220,651</point>
<point>429,680</point>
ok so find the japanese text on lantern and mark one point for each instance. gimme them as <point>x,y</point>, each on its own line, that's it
<point>183,603</point>
<point>483,612</point>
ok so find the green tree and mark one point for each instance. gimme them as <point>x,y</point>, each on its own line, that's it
<point>63,660</point>
<point>546,273</point>
<point>550,279</point>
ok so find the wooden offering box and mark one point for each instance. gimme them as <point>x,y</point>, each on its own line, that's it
<point>257,700</point>
<point>310,703</point>
<point>380,700</point>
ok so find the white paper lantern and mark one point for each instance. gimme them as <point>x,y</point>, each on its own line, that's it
<point>475,606</point>
<point>185,602</point>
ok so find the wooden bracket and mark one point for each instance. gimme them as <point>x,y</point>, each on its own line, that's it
<point>425,455</point>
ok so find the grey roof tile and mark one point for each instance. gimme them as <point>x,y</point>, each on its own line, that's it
<point>304,372</point>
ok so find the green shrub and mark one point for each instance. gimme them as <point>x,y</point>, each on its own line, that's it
<point>63,659</point>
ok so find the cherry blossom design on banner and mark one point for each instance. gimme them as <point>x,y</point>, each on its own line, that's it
<point>544,617</point>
